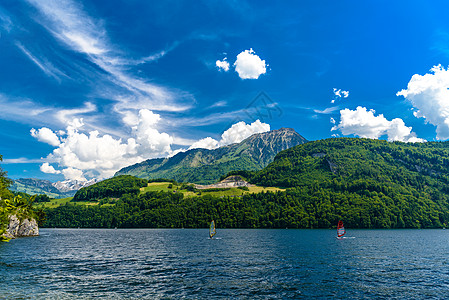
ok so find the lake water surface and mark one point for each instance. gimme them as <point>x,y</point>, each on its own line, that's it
<point>239,263</point>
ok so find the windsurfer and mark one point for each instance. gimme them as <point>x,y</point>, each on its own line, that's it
<point>212,229</point>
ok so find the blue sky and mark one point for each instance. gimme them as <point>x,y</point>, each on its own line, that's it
<point>88,86</point>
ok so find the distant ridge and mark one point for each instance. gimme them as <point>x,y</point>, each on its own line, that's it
<point>203,166</point>
<point>60,189</point>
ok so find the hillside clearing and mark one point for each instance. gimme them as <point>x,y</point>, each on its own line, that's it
<point>190,192</point>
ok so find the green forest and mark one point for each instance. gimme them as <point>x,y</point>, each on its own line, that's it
<point>114,187</point>
<point>366,183</point>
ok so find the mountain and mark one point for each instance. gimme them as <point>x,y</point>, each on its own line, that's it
<point>73,185</point>
<point>205,166</point>
<point>60,189</point>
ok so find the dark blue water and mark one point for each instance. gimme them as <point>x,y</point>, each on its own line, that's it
<point>155,264</point>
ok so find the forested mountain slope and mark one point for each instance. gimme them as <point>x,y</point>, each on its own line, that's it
<point>370,183</point>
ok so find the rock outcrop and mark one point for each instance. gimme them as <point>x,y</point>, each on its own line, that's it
<point>21,228</point>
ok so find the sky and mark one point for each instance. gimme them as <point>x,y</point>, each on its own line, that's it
<point>88,87</point>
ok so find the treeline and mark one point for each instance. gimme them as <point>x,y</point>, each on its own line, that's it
<point>349,159</point>
<point>114,187</point>
<point>295,208</point>
<point>5,209</point>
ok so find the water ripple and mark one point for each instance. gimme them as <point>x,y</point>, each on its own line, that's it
<point>242,264</point>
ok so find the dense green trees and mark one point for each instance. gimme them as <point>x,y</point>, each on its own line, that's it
<point>294,208</point>
<point>5,183</point>
<point>114,187</point>
<point>4,207</point>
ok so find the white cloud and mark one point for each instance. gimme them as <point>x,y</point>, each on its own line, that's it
<point>5,22</point>
<point>67,115</point>
<point>222,65</point>
<point>16,109</point>
<point>240,131</point>
<point>219,104</point>
<point>174,152</point>
<point>206,143</point>
<point>47,168</point>
<point>21,160</point>
<point>332,120</point>
<point>71,25</point>
<point>249,65</point>
<point>73,174</point>
<point>78,153</point>
<point>48,68</point>
<point>148,137</point>
<point>326,111</point>
<point>74,28</point>
<point>84,43</point>
<point>364,123</point>
<point>340,93</point>
<point>45,135</point>
<point>235,134</point>
<point>430,95</point>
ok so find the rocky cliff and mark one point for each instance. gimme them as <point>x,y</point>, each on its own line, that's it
<point>21,228</point>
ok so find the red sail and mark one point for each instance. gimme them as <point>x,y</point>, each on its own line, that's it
<point>340,229</point>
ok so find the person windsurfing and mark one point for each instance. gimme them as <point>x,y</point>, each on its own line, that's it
<point>212,231</point>
<point>340,230</point>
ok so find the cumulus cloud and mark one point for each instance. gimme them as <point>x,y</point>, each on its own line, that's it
<point>429,94</point>
<point>73,174</point>
<point>78,153</point>
<point>240,131</point>
<point>206,143</point>
<point>364,123</point>
<point>235,134</point>
<point>45,135</point>
<point>148,137</point>
<point>222,65</point>
<point>47,168</point>
<point>249,65</point>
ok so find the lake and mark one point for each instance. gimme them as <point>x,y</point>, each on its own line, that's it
<point>238,263</point>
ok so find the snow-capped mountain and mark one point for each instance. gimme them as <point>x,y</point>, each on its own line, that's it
<point>60,189</point>
<point>72,185</point>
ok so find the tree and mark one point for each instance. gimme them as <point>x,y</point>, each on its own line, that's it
<point>5,207</point>
<point>5,183</point>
